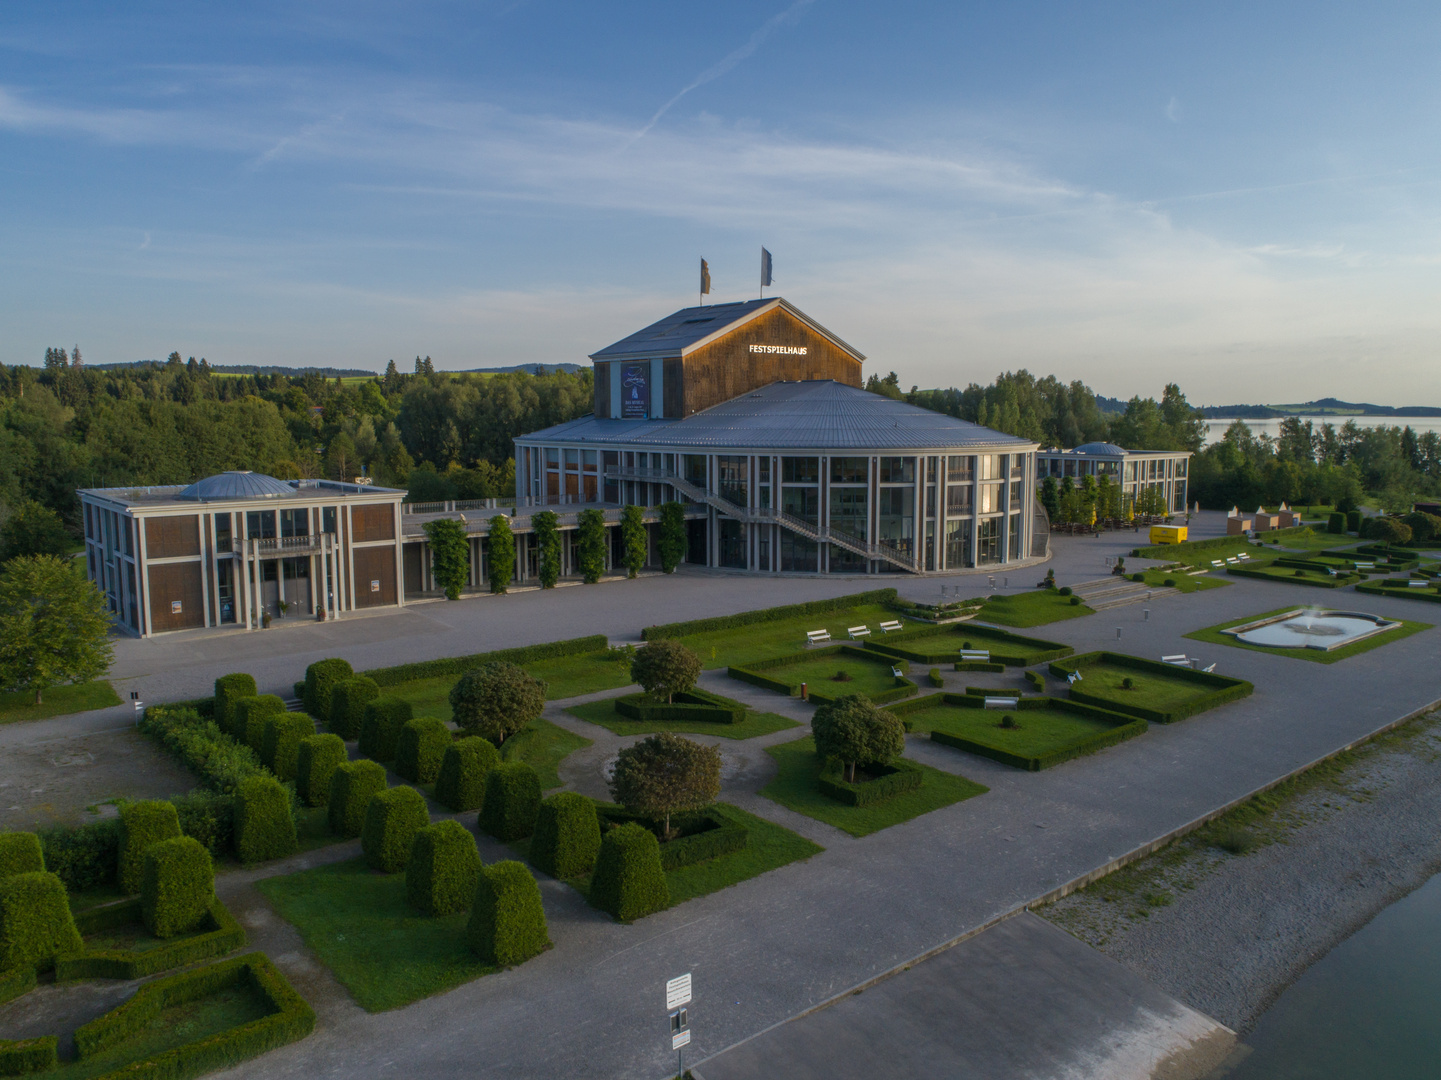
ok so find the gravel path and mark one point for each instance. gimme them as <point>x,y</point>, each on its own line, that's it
<point>1227,933</point>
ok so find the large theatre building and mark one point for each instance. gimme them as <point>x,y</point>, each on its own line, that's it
<point>755,414</point>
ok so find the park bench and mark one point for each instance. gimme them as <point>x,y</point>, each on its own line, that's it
<point>1218,562</point>
<point>1330,572</point>
<point>1209,670</point>
<point>1418,583</point>
<point>1243,557</point>
<point>1364,565</point>
<point>892,625</point>
<point>1000,702</point>
<point>980,655</point>
<point>1177,660</point>
<point>858,632</point>
<point>1203,570</point>
<point>1073,678</point>
<point>817,637</point>
<point>897,672</point>
<point>1233,561</point>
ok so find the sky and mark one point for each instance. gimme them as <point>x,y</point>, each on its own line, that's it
<point>1243,198</point>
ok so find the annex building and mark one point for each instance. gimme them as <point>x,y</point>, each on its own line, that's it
<point>1136,471</point>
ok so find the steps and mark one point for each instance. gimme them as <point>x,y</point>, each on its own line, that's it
<point>1104,593</point>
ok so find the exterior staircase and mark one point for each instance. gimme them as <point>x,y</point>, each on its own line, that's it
<point>1111,592</point>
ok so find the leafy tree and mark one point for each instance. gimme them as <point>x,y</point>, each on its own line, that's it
<point>590,538</point>
<point>632,535</point>
<point>449,555</point>
<point>33,529</point>
<point>496,701</point>
<point>665,668</point>
<point>500,547</point>
<point>852,729</point>
<point>54,627</point>
<point>341,458</point>
<point>547,536</point>
<point>672,540</point>
<point>1051,498</point>
<point>665,775</point>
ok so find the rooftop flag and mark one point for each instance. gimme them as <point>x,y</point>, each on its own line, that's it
<point>765,268</point>
<point>704,278</point>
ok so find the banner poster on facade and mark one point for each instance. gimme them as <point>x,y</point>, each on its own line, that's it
<point>635,391</point>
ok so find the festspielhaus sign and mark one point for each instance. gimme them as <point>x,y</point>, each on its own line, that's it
<point>787,350</point>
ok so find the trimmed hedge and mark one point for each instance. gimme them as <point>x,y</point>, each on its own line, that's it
<point>887,597</point>
<point>35,921</point>
<point>15,982</point>
<point>444,865</point>
<point>507,920</point>
<point>1336,523</point>
<point>934,678</point>
<point>629,882</point>
<point>421,748</point>
<point>176,886</point>
<point>218,934</point>
<point>1399,588</point>
<point>891,779</point>
<point>1039,650</point>
<point>566,837</point>
<point>281,744</point>
<point>289,1019</point>
<point>393,817</point>
<point>316,759</point>
<point>142,824</point>
<point>1220,688</point>
<point>22,1056</point>
<point>456,666</point>
<point>264,827</point>
<point>320,678</point>
<point>752,673</point>
<point>220,760</point>
<point>688,707</point>
<point>380,730</point>
<point>250,717</point>
<point>1339,581</point>
<point>228,690</point>
<point>512,800</point>
<point>463,769</point>
<point>351,786</point>
<point>1353,521</point>
<point>348,699</point>
<point>1037,680</point>
<point>20,853</point>
<point>705,834</point>
<point>1174,552</point>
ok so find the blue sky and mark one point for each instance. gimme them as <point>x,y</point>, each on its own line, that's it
<point>1243,197</point>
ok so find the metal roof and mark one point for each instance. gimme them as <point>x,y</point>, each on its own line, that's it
<point>1109,449</point>
<point>689,328</point>
<point>819,415</point>
<point>242,484</point>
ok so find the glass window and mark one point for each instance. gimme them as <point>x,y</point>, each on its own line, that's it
<point>895,516</point>
<point>1018,494</point>
<point>931,470</point>
<point>959,499</point>
<point>260,525</point>
<point>993,466</point>
<point>732,544</point>
<point>731,470</point>
<point>1018,465</point>
<point>800,470</point>
<point>990,498</point>
<point>327,519</point>
<point>765,469</point>
<point>848,510</point>
<point>898,470</point>
<point>572,456</point>
<point>1181,467</point>
<point>267,569</point>
<point>588,459</point>
<point>1013,538</point>
<point>848,470</point>
<point>222,532</point>
<point>695,469</point>
<point>930,500</point>
<point>552,455</point>
<point>961,468</point>
<point>958,544</point>
<point>798,553</point>
<point>296,569</point>
<point>295,523</point>
<point>802,502</point>
<point>988,541</point>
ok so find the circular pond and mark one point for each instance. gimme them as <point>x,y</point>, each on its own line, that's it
<point>1309,628</point>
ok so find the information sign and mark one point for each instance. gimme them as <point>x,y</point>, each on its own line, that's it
<point>677,992</point>
<point>680,1039</point>
<point>635,391</point>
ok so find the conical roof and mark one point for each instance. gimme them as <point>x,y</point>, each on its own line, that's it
<point>241,484</point>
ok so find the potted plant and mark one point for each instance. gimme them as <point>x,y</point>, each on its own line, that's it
<point>284,606</point>
<point>265,621</point>
<point>320,614</point>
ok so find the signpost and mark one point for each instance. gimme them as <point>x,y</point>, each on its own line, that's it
<point>677,996</point>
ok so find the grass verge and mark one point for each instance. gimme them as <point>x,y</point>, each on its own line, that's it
<point>58,701</point>
<point>1157,579</point>
<point>564,677</point>
<point>1031,609</point>
<point>1212,636</point>
<point>756,723</point>
<point>543,746</point>
<point>739,645</point>
<point>1040,735</point>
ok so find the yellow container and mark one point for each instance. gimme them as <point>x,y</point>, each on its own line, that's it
<point>1168,534</point>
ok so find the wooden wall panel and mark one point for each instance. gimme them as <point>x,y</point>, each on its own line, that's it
<point>172,582</point>
<point>727,368</point>
<point>374,565</point>
<point>602,391</point>
<point>373,523</point>
<point>170,537</point>
<point>674,402</point>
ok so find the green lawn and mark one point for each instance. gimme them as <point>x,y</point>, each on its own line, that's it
<point>1157,580</point>
<point>967,635</point>
<point>739,645</point>
<point>795,788</point>
<point>564,677</point>
<point>1149,690</point>
<point>1193,555</point>
<point>1031,609</point>
<point>57,701</point>
<point>868,674</point>
<point>543,746</point>
<point>359,924</point>
<point>1041,731</point>
<point>1290,575</point>
<point>755,723</point>
<point>1212,636</point>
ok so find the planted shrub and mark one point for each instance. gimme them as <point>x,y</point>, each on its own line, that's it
<point>855,732</point>
<point>35,921</point>
<point>665,668</point>
<point>380,730</point>
<point>1064,590</point>
<point>20,853</point>
<point>1075,601</point>
<point>463,769</point>
<point>250,715</point>
<point>1386,530</point>
<point>228,690</point>
<point>935,677</point>
<point>220,760</point>
<point>512,800</point>
<point>507,920</point>
<point>664,775</point>
<point>316,759</point>
<point>351,786</point>
<point>83,856</point>
<point>393,817</point>
<point>566,837</point>
<point>629,882</point>
<point>1138,577</point>
<point>21,1056</point>
<point>1128,683</point>
<point>320,677</point>
<point>1353,521</point>
<point>264,828</point>
<point>496,700</point>
<point>421,748</point>
<point>444,865</point>
<point>348,699</point>
<point>176,886</point>
<point>1336,523</point>
<point>281,748</point>
<point>1170,581</point>
<point>142,824</point>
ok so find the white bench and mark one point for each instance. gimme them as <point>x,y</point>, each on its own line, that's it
<point>888,627</point>
<point>817,637</point>
<point>1243,557</point>
<point>1002,702</point>
<point>1177,660</point>
<point>981,655</point>
<point>1073,678</point>
<point>1218,562</point>
<point>1330,572</point>
<point>1209,670</point>
<point>1364,565</point>
<point>1233,561</point>
<point>898,673</point>
<point>1203,570</point>
<point>1418,583</point>
<point>858,632</point>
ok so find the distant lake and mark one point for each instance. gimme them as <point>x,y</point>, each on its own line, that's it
<point>1215,429</point>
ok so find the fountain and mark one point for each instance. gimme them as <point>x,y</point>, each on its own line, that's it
<point>1311,628</point>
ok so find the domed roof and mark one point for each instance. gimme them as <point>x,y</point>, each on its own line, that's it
<point>1107,448</point>
<point>242,484</point>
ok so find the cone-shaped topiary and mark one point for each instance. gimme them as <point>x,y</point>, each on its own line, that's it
<point>176,886</point>
<point>316,759</point>
<point>142,824</point>
<point>250,714</point>
<point>421,748</point>
<point>629,882</point>
<point>463,769</point>
<point>35,921</point>
<point>507,920</point>
<point>20,853</point>
<point>228,690</point>
<point>566,837</point>
<point>348,699</point>
<point>280,748</point>
<point>392,819</point>
<point>319,678</point>
<point>512,799</point>
<point>351,786</point>
<point>440,876</point>
<point>380,730</point>
<point>264,828</point>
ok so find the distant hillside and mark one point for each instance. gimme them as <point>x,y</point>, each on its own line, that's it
<point>1110,404</point>
<point>253,369</point>
<point>532,369</point>
<point>1321,407</point>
